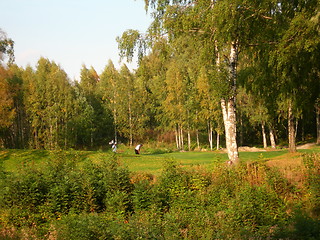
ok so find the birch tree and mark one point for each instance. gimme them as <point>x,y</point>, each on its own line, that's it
<point>48,106</point>
<point>100,124</point>
<point>209,109</point>
<point>173,105</point>
<point>109,90</point>
<point>6,48</point>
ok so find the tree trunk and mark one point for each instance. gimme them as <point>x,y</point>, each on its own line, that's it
<point>229,119</point>
<point>272,138</point>
<point>189,140</point>
<point>264,137</point>
<point>210,135</point>
<point>181,138</point>
<point>296,129</point>
<point>318,123</point>
<point>130,123</point>
<point>229,109</point>
<point>218,141</point>
<point>56,142</point>
<point>291,130</point>
<point>91,138</point>
<point>177,138</point>
<point>198,141</point>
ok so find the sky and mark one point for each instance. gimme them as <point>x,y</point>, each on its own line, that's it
<point>71,32</point>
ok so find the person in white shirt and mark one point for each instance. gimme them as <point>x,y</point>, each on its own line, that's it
<point>113,146</point>
<point>137,149</point>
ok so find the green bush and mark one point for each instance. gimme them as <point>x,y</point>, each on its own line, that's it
<point>68,198</point>
<point>312,165</point>
<point>35,196</point>
<point>254,211</point>
<point>305,227</point>
<point>82,227</point>
<point>143,195</point>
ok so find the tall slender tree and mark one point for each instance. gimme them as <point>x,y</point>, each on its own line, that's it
<point>109,90</point>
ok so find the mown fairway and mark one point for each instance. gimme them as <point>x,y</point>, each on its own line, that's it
<point>149,162</point>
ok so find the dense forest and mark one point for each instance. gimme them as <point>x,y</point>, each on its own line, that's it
<point>211,74</point>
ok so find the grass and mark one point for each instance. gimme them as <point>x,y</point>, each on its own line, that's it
<point>12,159</point>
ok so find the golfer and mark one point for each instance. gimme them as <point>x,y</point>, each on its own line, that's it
<point>137,149</point>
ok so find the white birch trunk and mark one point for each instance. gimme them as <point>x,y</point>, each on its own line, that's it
<point>189,140</point>
<point>181,138</point>
<point>56,135</point>
<point>210,136</point>
<point>177,138</point>
<point>50,136</point>
<point>272,138</point>
<point>264,136</point>
<point>229,119</point>
<point>218,141</point>
<point>291,130</point>
<point>229,109</point>
<point>130,122</point>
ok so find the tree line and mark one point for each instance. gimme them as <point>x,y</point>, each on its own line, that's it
<point>209,73</point>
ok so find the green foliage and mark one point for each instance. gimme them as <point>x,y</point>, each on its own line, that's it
<point>72,198</point>
<point>312,164</point>
<point>6,47</point>
<point>306,227</point>
<point>35,196</point>
<point>130,40</point>
<point>7,112</point>
<point>82,226</point>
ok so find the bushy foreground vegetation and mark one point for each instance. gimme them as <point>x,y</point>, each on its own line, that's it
<point>62,199</point>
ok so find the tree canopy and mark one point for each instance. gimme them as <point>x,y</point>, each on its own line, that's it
<point>235,70</point>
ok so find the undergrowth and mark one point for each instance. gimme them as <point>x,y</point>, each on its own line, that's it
<point>104,200</point>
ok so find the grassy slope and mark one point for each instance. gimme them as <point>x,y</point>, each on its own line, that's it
<point>153,163</point>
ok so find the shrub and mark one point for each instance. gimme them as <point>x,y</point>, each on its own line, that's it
<point>312,165</point>
<point>68,198</point>
<point>82,227</point>
<point>35,196</point>
<point>255,210</point>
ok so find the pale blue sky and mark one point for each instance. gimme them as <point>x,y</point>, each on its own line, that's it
<point>71,32</point>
